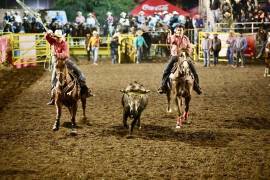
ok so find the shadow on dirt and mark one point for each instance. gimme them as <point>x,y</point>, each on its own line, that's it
<point>160,133</point>
<point>12,172</point>
<point>256,123</point>
<point>14,81</point>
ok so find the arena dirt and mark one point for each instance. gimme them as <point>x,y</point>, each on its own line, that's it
<point>228,138</point>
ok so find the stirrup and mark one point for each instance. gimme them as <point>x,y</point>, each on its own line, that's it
<point>51,102</point>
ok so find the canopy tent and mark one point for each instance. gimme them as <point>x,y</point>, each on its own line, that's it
<point>149,7</point>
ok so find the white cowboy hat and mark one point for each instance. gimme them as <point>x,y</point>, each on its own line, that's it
<point>90,14</point>
<point>141,13</point>
<point>123,14</point>
<point>165,12</point>
<point>139,32</point>
<point>227,14</point>
<point>175,13</point>
<point>117,34</point>
<point>95,33</point>
<point>109,13</point>
<point>59,33</point>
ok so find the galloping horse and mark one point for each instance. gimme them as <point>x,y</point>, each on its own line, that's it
<point>67,92</point>
<point>180,87</point>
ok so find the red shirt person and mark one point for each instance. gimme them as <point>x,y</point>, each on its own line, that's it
<point>61,52</point>
<point>57,40</point>
<point>179,44</point>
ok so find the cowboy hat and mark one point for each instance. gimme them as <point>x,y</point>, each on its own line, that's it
<point>95,33</point>
<point>141,13</point>
<point>175,13</point>
<point>227,14</point>
<point>58,33</point>
<point>123,14</point>
<point>139,32</point>
<point>109,13</point>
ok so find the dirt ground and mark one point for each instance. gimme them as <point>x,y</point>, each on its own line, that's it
<point>229,137</point>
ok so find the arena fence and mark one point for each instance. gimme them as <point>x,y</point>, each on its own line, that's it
<point>23,50</point>
<point>223,36</point>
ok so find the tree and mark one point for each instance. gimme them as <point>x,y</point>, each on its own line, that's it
<point>99,7</point>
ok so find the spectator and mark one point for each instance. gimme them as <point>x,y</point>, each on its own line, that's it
<point>79,18</point>
<point>59,18</point>
<point>215,8</point>
<point>17,25</point>
<point>216,47</point>
<point>239,47</point>
<point>109,23</point>
<point>227,21</point>
<point>230,42</point>
<point>88,50</point>
<point>124,22</point>
<point>139,42</point>
<point>206,47</point>
<point>91,21</point>
<point>114,48</point>
<point>93,44</point>
<point>141,19</point>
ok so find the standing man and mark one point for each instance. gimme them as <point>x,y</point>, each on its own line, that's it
<point>139,42</point>
<point>216,47</point>
<point>206,46</point>
<point>180,43</point>
<point>240,46</point>
<point>93,44</point>
<point>61,52</point>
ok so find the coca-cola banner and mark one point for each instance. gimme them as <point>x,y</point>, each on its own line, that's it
<point>149,7</point>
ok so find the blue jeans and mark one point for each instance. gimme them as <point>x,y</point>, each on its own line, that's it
<point>139,54</point>
<point>114,55</point>
<point>95,54</point>
<point>230,55</point>
<point>216,54</point>
<point>206,59</point>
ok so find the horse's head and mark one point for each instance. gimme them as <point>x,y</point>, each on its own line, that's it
<point>61,71</point>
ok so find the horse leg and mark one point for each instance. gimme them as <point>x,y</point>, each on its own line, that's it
<point>187,101</point>
<point>58,116</point>
<point>73,118</point>
<point>83,100</point>
<point>169,101</point>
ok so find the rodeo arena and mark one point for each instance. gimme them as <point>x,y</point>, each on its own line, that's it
<point>155,90</point>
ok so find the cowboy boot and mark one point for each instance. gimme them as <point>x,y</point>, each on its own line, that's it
<point>52,101</point>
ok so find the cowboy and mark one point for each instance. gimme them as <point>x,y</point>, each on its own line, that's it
<point>179,43</point>
<point>139,42</point>
<point>61,52</point>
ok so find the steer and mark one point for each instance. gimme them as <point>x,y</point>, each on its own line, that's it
<point>134,101</point>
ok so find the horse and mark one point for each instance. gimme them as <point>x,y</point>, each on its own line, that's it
<point>67,92</point>
<point>179,89</point>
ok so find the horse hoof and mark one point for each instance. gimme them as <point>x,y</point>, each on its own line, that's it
<point>55,128</point>
<point>73,132</point>
<point>169,111</point>
<point>178,127</point>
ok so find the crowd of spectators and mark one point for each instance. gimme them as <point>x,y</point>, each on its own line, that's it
<point>224,11</point>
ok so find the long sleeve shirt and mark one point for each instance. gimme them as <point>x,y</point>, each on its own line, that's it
<point>181,42</point>
<point>94,41</point>
<point>61,50</point>
<point>139,42</point>
<point>206,44</point>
